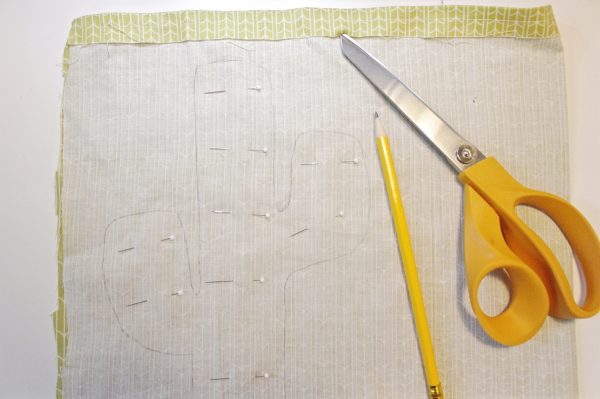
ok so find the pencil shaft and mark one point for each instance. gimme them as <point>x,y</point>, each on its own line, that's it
<point>408,262</point>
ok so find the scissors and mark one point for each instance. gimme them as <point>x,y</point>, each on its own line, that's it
<point>495,238</point>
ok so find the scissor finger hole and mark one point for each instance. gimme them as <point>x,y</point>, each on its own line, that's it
<point>551,234</point>
<point>493,293</point>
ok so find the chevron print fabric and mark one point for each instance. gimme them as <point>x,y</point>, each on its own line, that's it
<point>424,21</point>
<point>430,21</point>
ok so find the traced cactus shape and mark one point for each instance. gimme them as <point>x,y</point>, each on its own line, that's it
<point>329,197</point>
<point>147,280</point>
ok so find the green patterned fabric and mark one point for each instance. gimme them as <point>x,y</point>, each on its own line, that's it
<point>400,21</point>
<point>428,21</point>
<point>450,21</point>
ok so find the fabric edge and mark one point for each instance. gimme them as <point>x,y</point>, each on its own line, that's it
<point>439,21</point>
<point>59,319</point>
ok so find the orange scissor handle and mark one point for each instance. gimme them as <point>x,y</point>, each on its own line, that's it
<point>492,226</point>
<point>486,252</point>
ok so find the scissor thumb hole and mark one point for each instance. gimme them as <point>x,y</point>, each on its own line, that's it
<point>525,311</point>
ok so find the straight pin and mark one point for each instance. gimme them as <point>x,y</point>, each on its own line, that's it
<point>353,161</point>
<point>265,375</point>
<point>137,303</point>
<point>309,163</point>
<point>299,232</point>
<point>169,238</point>
<point>218,281</point>
<point>219,379</point>
<point>219,148</point>
<point>224,61</point>
<point>126,249</point>
<point>255,88</point>
<point>264,215</point>
<point>264,150</point>
<point>221,212</point>
<point>214,91</point>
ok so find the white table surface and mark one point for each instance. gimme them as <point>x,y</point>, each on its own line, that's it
<point>32,37</point>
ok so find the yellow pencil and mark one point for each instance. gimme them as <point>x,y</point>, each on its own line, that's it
<point>408,261</point>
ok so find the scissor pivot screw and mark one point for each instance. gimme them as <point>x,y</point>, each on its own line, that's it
<point>465,153</point>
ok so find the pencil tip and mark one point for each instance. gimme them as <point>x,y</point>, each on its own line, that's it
<point>378,129</point>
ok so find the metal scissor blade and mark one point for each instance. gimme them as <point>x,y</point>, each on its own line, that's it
<point>458,151</point>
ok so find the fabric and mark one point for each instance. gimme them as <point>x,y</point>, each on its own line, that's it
<point>398,21</point>
<point>427,21</point>
<point>225,230</point>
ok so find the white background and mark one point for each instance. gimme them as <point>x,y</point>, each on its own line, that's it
<point>32,37</point>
